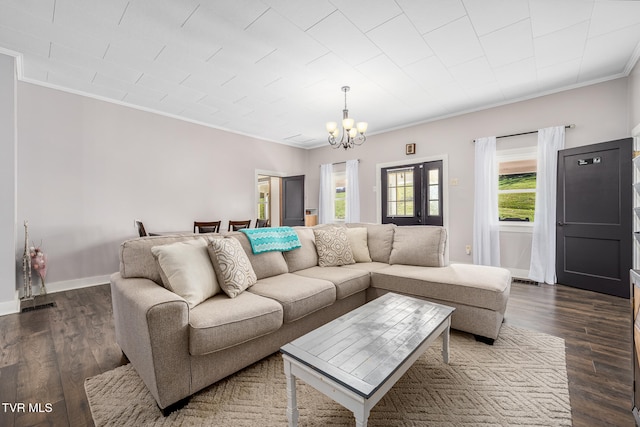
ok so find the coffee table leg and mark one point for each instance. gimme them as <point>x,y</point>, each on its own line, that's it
<point>445,345</point>
<point>292,404</point>
<point>362,416</point>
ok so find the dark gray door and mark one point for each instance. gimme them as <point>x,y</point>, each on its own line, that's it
<point>594,216</point>
<point>412,194</point>
<point>293,200</point>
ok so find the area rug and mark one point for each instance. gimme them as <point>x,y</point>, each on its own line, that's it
<point>521,380</point>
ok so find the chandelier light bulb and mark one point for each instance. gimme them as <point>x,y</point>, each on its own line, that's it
<point>332,127</point>
<point>362,127</point>
<point>347,123</point>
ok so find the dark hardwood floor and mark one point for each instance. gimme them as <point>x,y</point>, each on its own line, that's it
<point>45,355</point>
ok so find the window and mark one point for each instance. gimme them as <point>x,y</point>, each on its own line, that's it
<point>517,184</point>
<point>339,185</point>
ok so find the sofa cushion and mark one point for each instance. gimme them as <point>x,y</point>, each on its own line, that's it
<point>473,285</point>
<point>185,269</point>
<point>367,266</point>
<point>347,281</point>
<point>222,322</point>
<point>298,295</point>
<point>422,245</point>
<point>305,256</point>
<point>333,247</point>
<point>379,240</point>
<point>358,240</point>
<point>232,266</point>
<point>136,259</point>
<point>266,264</point>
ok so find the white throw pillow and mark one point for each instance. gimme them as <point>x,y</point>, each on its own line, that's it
<point>232,265</point>
<point>186,270</point>
<point>333,247</point>
<point>358,241</point>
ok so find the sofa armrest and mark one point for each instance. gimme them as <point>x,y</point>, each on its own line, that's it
<point>152,329</point>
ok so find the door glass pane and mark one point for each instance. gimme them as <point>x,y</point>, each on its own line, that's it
<point>409,208</point>
<point>400,192</point>
<point>434,176</point>
<point>434,207</point>
<point>434,193</point>
<point>391,209</point>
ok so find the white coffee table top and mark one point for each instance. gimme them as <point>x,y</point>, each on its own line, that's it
<point>363,348</point>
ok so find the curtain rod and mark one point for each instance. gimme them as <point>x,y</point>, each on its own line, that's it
<point>339,163</point>
<point>571,126</point>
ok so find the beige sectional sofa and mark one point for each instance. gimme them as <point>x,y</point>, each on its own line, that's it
<point>179,348</point>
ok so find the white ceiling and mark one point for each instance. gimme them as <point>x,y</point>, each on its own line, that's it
<point>274,68</point>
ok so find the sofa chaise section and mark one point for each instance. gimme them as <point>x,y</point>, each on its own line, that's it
<point>479,293</point>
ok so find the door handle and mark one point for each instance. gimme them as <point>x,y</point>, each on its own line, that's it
<point>560,223</point>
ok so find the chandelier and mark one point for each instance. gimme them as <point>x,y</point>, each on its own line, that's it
<point>351,136</point>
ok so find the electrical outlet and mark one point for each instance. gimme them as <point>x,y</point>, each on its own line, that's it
<point>467,249</point>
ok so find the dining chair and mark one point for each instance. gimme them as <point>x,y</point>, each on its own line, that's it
<point>238,225</point>
<point>140,227</point>
<point>206,226</point>
<point>260,223</point>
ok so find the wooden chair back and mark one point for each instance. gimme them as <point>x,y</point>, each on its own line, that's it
<point>238,225</point>
<point>260,223</point>
<point>206,226</point>
<point>140,226</point>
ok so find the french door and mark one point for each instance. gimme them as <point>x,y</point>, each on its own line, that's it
<point>412,194</point>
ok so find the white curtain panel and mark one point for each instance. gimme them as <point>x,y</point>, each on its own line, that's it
<point>486,232</point>
<point>543,246</point>
<point>325,204</point>
<point>352,213</point>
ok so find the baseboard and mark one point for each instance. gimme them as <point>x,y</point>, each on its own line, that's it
<point>68,285</point>
<point>11,307</point>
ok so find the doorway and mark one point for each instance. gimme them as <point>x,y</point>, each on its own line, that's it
<point>412,194</point>
<point>268,208</point>
<point>594,217</point>
<point>280,198</point>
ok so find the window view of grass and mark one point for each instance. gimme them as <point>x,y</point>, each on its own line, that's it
<point>340,203</point>
<point>517,197</point>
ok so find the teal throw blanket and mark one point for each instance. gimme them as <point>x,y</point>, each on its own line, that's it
<point>272,239</point>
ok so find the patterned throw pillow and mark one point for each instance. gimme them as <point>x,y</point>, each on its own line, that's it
<point>333,247</point>
<point>232,266</point>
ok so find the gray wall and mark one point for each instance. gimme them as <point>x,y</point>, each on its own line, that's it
<point>598,111</point>
<point>7,184</point>
<point>87,169</point>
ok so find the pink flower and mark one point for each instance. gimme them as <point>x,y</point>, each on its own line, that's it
<point>39,261</point>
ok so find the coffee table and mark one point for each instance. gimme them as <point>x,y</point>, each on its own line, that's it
<point>358,357</point>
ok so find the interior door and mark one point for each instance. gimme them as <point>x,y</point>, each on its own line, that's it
<point>412,194</point>
<point>594,217</point>
<point>292,200</point>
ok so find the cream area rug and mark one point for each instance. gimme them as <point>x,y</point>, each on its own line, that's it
<point>521,380</point>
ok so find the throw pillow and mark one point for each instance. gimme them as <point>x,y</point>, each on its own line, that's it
<point>422,245</point>
<point>333,247</point>
<point>358,241</point>
<point>232,266</point>
<point>185,269</point>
